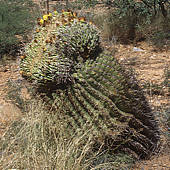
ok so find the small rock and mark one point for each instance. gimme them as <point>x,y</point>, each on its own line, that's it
<point>137,49</point>
<point>8,112</point>
<point>153,56</point>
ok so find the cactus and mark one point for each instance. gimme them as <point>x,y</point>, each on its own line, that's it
<point>102,95</point>
<point>105,99</point>
<point>60,41</point>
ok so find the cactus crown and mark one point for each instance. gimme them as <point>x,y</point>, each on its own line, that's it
<point>61,43</point>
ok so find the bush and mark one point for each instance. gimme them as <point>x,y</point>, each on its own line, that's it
<point>74,5</point>
<point>16,19</point>
<point>131,20</point>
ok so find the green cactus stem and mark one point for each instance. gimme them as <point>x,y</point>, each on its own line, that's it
<point>107,99</point>
<point>80,40</point>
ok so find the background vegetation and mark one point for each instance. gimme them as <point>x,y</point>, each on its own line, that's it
<point>131,21</point>
<point>17,19</point>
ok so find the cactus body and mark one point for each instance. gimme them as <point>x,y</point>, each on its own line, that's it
<point>101,95</point>
<point>104,99</point>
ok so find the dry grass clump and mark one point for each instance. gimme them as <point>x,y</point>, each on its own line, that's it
<point>38,141</point>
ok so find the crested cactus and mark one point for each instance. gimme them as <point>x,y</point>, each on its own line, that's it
<point>101,95</point>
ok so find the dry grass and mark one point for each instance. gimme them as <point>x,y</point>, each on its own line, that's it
<point>38,141</point>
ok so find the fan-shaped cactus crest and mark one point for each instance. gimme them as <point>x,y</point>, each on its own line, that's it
<point>100,94</point>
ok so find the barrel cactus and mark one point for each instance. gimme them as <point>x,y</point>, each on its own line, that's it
<point>101,95</point>
<point>107,99</point>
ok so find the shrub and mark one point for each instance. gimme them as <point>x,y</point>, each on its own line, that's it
<point>131,20</point>
<point>76,4</point>
<point>16,19</point>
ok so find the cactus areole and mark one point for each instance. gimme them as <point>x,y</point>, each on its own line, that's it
<point>99,93</point>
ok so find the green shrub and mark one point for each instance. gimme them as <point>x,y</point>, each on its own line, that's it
<point>167,77</point>
<point>75,5</point>
<point>131,20</point>
<point>16,19</point>
<point>84,3</point>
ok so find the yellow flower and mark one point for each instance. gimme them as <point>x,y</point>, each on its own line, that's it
<point>41,21</point>
<point>37,30</point>
<point>82,19</point>
<point>44,49</point>
<point>21,72</point>
<point>45,17</point>
<point>50,15</point>
<point>75,14</point>
<point>90,22</point>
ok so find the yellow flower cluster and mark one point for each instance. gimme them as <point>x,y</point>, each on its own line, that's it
<point>44,19</point>
<point>65,18</point>
<point>41,21</point>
